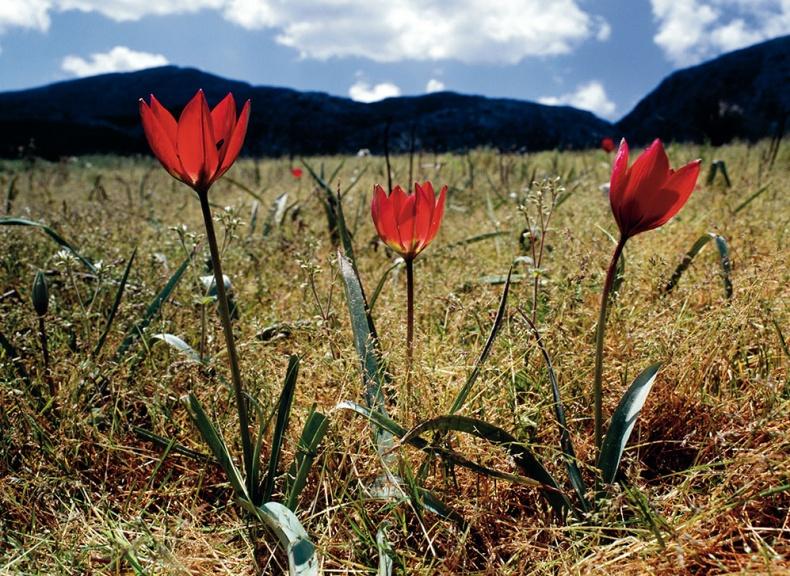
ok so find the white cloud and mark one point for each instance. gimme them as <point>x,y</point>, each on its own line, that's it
<point>505,31</point>
<point>119,59</point>
<point>32,14</point>
<point>361,91</point>
<point>690,31</point>
<point>434,85</point>
<point>589,96</point>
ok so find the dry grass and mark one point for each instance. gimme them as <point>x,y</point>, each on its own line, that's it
<point>708,466</point>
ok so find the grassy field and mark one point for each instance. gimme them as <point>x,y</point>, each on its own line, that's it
<point>85,488</point>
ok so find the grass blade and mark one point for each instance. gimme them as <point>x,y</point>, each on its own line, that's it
<point>724,257</point>
<point>7,221</point>
<point>133,334</point>
<point>463,393</point>
<point>750,199</point>
<point>623,421</point>
<point>283,415</point>
<point>566,443</point>
<point>115,305</point>
<point>314,430</point>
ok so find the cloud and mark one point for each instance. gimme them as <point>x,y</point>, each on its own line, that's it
<point>434,85</point>
<point>31,14</point>
<point>589,96</point>
<point>471,31</point>
<point>119,59</point>
<point>690,31</point>
<point>361,91</point>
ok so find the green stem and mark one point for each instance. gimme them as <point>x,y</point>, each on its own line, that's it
<point>224,314</point>
<point>409,326</point>
<point>599,333</point>
<point>42,333</point>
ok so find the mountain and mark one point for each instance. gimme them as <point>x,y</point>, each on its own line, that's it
<point>100,115</point>
<point>741,95</point>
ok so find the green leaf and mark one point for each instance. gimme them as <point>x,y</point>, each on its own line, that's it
<point>623,421</point>
<point>283,415</point>
<point>314,430</point>
<point>366,346</point>
<point>724,258</point>
<point>115,305</point>
<point>382,280</point>
<point>133,334</point>
<point>527,462</point>
<point>302,555</point>
<point>566,443</point>
<point>276,213</point>
<point>750,199</point>
<point>385,551</point>
<point>463,393</point>
<point>179,345</point>
<point>216,444</point>
<point>8,221</point>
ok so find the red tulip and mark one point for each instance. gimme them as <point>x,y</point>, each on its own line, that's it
<point>202,145</point>
<point>649,193</point>
<point>408,222</point>
<point>607,145</point>
<point>296,172</point>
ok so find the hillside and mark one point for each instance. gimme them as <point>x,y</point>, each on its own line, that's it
<point>740,95</point>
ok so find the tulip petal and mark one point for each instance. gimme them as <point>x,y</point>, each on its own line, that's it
<point>671,198</point>
<point>196,144</point>
<point>161,145</point>
<point>383,216</point>
<point>407,220</point>
<point>397,200</point>
<point>223,119</point>
<point>425,204</point>
<point>438,213</point>
<point>649,172</point>
<point>165,119</point>
<point>619,181</point>
<point>236,140</point>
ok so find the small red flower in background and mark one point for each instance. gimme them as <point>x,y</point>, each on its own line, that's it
<point>202,145</point>
<point>407,223</point>
<point>296,172</point>
<point>649,193</point>
<point>607,145</point>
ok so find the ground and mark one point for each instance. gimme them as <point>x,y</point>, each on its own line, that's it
<point>705,480</point>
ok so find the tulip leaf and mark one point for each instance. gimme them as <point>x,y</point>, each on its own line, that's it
<point>8,221</point>
<point>115,305</point>
<point>724,258</point>
<point>314,430</point>
<point>367,349</point>
<point>179,345</point>
<point>382,280</point>
<point>623,421</point>
<point>133,334</point>
<point>283,415</point>
<point>302,555</point>
<point>216,444</point>
<point>385,550</point>
<point>523,457</point>
<point>276,213</point>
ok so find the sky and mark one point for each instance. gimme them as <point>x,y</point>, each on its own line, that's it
<point>599,55</point>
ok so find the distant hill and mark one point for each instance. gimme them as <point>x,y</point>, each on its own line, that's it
<point>743,94</point>
<point>100,114</point>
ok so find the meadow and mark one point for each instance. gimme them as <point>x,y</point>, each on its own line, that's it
<point>103,471</point>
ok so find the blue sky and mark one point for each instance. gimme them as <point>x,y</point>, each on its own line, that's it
<point>601,55</point>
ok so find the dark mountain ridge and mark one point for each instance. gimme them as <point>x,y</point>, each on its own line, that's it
<point>744,94</point>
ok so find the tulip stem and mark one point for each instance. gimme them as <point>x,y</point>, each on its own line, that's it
<point>599,334</point>
<point>224,314</point>
<point>409,327</point>
<point>42,334</point>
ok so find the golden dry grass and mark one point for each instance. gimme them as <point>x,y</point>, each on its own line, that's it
<point>708,465</point>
